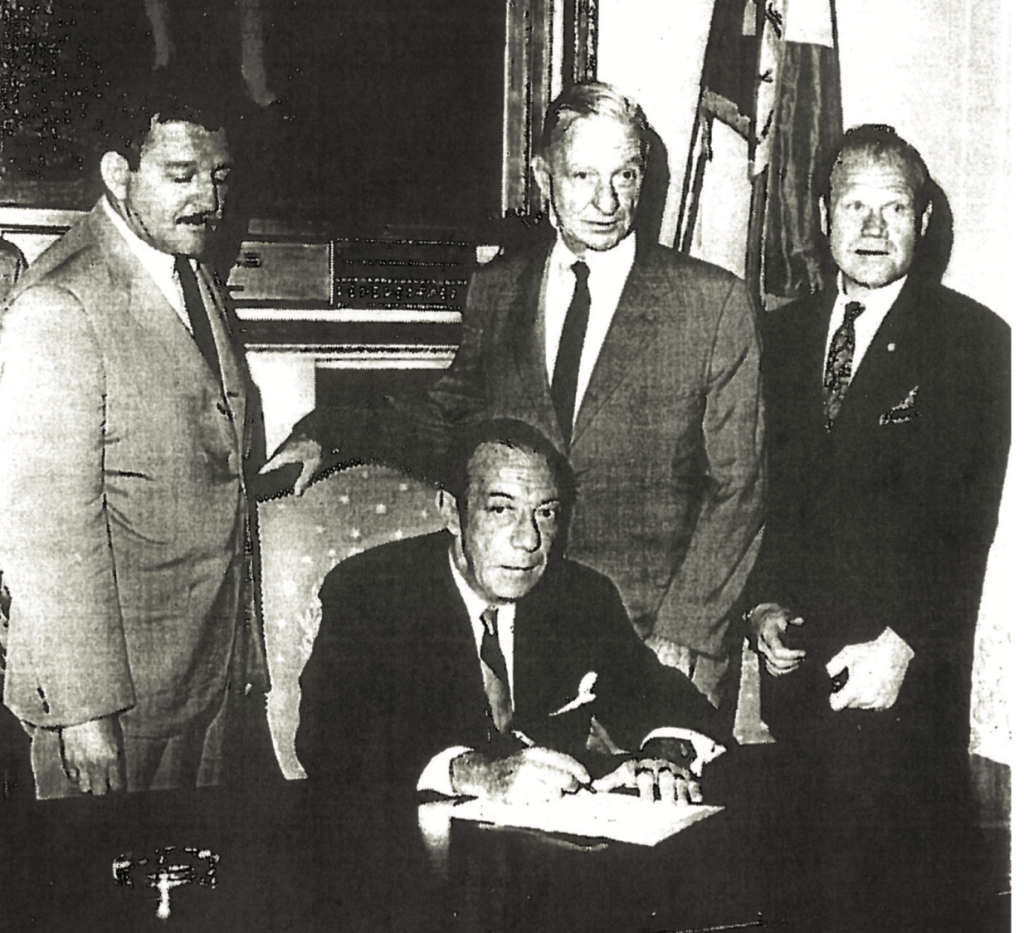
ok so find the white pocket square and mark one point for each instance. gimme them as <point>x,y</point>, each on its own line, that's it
<point>584,695</point>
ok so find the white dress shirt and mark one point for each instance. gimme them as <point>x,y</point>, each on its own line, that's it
<point>877,305</point>
<point>609,270</point>
<point>437,774</point>
<point>160,266</point>
<point>506,627</point>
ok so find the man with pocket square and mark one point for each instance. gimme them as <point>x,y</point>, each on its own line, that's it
<point>887,409</point>
<point>477,660</point>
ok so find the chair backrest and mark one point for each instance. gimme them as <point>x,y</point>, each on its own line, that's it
<point>300,541</point>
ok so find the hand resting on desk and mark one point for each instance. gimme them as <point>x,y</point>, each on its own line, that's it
<point>535,774</point>
<point>663,764</point>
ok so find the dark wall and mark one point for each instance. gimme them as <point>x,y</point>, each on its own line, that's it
<point>389,112</point>
<point>392,110</point>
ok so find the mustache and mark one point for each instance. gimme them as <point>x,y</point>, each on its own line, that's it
<point>199,219</point>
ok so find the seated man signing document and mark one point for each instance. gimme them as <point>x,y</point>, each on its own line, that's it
<point>479,661</point>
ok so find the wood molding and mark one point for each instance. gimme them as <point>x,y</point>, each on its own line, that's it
<point>549,45</point>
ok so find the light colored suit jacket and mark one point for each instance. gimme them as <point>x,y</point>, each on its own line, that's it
<point>123,495</point>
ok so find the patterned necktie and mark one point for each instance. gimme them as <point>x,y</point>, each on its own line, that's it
<point>497,686</point>
<point>839,367</point>
<point>201,330</point>
<point>565,378</point>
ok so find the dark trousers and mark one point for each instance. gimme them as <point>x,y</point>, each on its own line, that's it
<point>883,833</point>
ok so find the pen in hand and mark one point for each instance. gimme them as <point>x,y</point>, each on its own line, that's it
<point>525,739</point>
<point>529,743</point>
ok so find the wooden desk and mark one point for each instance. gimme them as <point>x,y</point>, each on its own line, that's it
<point>274,859</point>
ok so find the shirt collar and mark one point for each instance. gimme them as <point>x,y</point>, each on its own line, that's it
<point>475,605</point>
<point>149,256</point>
<point>616,261</point>
<point>878,301</point>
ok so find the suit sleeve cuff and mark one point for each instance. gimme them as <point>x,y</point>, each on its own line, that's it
<point>706,749</point>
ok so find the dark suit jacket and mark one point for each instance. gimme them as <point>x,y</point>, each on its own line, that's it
<point>667,446</point>
<point>887,520</point>
<point>394,677</point>
<point>123,495</point>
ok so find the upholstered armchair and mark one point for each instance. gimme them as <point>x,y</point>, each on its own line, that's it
<point>301,539</point>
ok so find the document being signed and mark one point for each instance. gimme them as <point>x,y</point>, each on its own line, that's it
<point>605,816</point>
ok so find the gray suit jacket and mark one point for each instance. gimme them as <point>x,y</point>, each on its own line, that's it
<point>122,490</point>
<point>667,446</point>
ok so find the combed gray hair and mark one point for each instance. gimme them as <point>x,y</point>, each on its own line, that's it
<point>593,98</point>
<point>880,143</point>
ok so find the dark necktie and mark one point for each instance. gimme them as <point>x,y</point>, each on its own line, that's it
<point>497,689</point>
<point>197,316</point>
<point>839,367</point>
<point>565,378</point>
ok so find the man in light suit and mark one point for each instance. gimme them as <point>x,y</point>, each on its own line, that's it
<point>403,690</point>
<point>127,414</point>
<point>887,404</point>
<point>642,361</point>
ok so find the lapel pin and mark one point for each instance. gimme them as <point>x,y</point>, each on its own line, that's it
<point>891,347</point>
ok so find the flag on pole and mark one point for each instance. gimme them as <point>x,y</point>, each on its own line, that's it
<point>771,75</point>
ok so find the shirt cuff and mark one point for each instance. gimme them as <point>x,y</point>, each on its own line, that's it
<point>437,775</point>
<point>896,643</point>
<point>705,748</point>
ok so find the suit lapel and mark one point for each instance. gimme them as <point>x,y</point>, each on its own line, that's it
<point>550,662</point>
<point>529,394</point>
<point>631,330</point>
<point>232,363</point>
<point>146,303</point>
<point>456,652</point>
<point>529,656</point>
<point>525,313</point>
<point>811,357</point>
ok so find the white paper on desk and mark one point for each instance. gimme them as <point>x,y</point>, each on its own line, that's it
<point>608,816</point>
